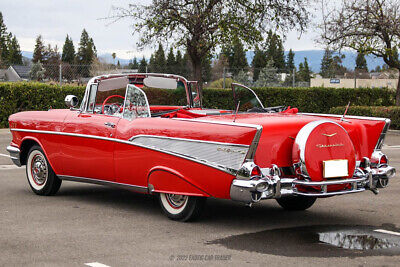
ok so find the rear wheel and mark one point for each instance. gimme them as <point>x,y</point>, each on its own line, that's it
<point>296,202</point>
<point>41,177</point>
<point>180,207</point>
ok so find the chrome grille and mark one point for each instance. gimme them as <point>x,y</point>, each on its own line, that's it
<point>225,155</point>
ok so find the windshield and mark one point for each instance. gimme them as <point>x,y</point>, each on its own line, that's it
<point>247,97</point>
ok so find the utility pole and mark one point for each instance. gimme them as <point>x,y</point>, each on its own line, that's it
<point>224,77</point>
<point>355,78</point>
<point>60,74</point>
<point>293,78</point>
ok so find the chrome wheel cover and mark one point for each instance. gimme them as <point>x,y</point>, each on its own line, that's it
<point>176,201</point>
<point>39,169</point>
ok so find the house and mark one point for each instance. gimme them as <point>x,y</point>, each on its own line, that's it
<point>2,75</point>
<point>17,73</point>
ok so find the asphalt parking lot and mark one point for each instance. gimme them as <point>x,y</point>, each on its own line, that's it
<point>95,225</point>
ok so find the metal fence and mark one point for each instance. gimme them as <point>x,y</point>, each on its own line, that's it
<point>214,76</point>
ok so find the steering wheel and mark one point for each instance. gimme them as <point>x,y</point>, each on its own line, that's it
<point>108,98</point>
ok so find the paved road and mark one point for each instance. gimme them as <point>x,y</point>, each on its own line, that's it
<point>93,224</point>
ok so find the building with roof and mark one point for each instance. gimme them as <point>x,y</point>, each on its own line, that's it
<point>17,73</point>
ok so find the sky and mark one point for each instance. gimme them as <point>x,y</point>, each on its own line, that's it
<point>54,19</point>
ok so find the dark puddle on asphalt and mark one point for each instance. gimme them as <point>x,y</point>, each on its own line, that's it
<point>319,241</point>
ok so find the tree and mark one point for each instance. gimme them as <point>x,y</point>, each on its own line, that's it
<point>236,56</point>
<point>361,62</point>
<point>143,66</point>
<point>38,52</point>
<point>171,63</point>
<point>326,64</point>
<point>86,53</point>
<point>159,59</point>
<point>290,62</point>
<point>68,53</point>
<point>134,64</point>
<point>268,76</point>
<point>369,27</point>
<point>275,51</point>
<point>179,63</point>
<point>304,73</point>
<point>204,25</point>
<point>3,41</point>
<point>37,71</point>
<point>14,51</point>
<point>114,56</point>
<point>258,63</point>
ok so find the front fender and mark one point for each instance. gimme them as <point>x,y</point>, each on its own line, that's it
<point>166,180</point>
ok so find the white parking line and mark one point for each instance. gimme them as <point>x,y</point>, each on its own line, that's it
<point>387,232</point>
<point>96,264</point>
<point>391,147</point>
<point>4,155</point>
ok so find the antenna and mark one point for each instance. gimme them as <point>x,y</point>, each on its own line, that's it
<point>237,109</point>
<point>347,108</point>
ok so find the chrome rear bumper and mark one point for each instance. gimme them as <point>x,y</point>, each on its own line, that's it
<point>267,187</point>
<point>14,155</point>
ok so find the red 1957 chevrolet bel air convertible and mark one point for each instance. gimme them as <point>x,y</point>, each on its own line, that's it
<point>185,154</point>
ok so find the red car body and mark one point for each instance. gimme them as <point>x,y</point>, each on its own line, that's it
<point>198,152</point>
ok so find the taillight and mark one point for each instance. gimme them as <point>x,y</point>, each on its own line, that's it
<point>378,158</point>
<point>383,160</point>
<point>256,171</point>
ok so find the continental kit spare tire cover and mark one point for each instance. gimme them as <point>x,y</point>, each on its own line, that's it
<point>320,141</point>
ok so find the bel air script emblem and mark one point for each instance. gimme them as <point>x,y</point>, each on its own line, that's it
<point>228,150</point>
<point>326,146</point>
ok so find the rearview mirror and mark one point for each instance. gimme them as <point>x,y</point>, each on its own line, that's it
<point>71,101</point>
<point>160,82</point>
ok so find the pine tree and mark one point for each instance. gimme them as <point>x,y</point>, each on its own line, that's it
<point>361,62</point>
<point>118,65</point>
<point>38,52</point>
<point>304,73</point>
<point>268,76</point>
<point>133,64</point>
<point>179,64</point>
<point>275,51</point>
<point>87,49</point>
<point>68,53</point>
<point>239,57</point>
<point>290,62</point>
<point>258,63</point>
<point>86,53</point>
<point>3,41</point>
<point>326,64</point>
<point>152,66</point>
<point>14,51</point>
<point>171,63</point>
<point>142,66</point>
<point>159,59</point>
<point>236,56</point>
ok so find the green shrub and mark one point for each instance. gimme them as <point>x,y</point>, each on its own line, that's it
<point>15,97</point>
<point>21,96</point>
<point>392,112</point>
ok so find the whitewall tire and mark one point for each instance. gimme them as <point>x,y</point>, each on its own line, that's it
<point>180,207</point>
<point>40,175</point>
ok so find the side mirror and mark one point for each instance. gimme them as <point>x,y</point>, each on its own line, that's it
<point>71,101</point>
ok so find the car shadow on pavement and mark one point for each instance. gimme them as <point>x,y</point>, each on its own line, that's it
<point>217,212</point>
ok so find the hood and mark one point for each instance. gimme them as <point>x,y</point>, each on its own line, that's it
<point>280,130</point>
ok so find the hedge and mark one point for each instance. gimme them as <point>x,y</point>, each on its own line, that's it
<point>392,113</point>
<point>21,96</point>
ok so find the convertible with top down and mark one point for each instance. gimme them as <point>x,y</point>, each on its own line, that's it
<point>186,154</point>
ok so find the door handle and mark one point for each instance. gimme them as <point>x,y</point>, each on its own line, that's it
<point>109,124</point>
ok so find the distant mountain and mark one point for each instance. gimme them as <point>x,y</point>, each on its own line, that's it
<point>314,58</point>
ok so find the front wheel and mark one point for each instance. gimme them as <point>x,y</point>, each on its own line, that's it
<point>181,208</point>
<point>296,202</point>
<point>41,177</point>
